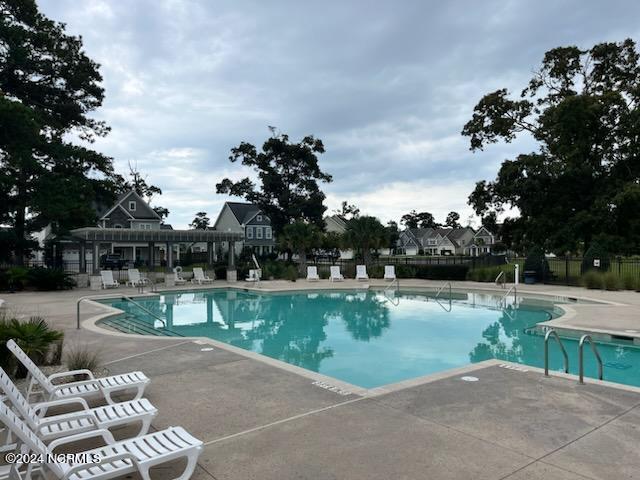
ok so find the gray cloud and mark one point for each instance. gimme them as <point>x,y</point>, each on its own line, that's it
<point>387,87</point>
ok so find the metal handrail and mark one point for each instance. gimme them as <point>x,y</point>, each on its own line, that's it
<point>157,317</point>
<point>502,276</point>
<point>442,288</point>
<point>550,332</point>
<point>583,339</point>
<point>515,295</point>
<point>443,307</point>
<point>395,282</point>
<point>142,284</point>
<point>78,310</point>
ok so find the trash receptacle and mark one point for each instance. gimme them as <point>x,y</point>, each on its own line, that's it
<point>530,277</point>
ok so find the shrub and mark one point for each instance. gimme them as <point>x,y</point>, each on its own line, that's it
<point>630,282</point>
<point>611,281</point>
<point>405,271</point>
<point>442,272</point>
<point>537,262</point>
<point>489,274</point>
<point>83,357</point>
<point>593,280</point>
<point>291,273</point>
<point>376,271</point>
<point>17,277</point>
<point>33,336</point>
<point>595,251</point>
<point>49,279</point>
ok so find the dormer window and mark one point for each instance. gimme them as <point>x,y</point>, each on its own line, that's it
<point>132,206</point>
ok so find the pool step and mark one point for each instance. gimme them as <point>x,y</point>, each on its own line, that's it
<point>129,324</point>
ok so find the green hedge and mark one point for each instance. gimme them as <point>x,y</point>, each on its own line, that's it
<point>38,278</point>
<point>489,274</point>
<point>433,272</point>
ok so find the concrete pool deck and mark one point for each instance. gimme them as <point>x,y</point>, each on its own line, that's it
<point>261,421</point>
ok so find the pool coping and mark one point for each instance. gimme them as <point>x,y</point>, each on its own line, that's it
<point>325,381</point>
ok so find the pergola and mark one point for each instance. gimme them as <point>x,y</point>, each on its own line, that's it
<point>92,237</point>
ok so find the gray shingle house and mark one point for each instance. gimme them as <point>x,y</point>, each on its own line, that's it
<point>247,218</point>
<point>445,241</point>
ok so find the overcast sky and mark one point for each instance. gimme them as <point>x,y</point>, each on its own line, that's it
<point>387,86</point>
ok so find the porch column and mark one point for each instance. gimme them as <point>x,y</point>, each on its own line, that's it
<point>152,255</point>
<point>210,252</point>
<point>95,258</point>
<point>232,275</point>
<point>82,268</point>
<point>169,255</point>
<point>135,257</point>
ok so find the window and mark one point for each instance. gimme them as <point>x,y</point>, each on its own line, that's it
<point>249,232</point>
<point>258,232</point>
<point>132,206</point>
<point>259,218</point>
<point>117,225</point>
<point>431,241</point>
<point>267,232</point>
<point>144,226</point>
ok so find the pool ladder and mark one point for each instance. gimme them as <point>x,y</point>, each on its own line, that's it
<point>584,339</point>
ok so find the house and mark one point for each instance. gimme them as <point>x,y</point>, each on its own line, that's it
<point>441,241</point>
<point>483,242</point>
<point>247,219</point>
<point>338,224</point>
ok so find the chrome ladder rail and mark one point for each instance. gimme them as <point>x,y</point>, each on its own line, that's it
<point>157,317</point>
<point>141,286</point>
<point>394,300</point>
<point>547,335</point>
<point>501,276</point>
<point>583,339</point>
<point>513,288</point>
<point>448,284</point>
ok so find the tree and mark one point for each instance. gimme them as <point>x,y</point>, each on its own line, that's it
<point>581,106</point>
<point>48,88</point>
<point>364,234</point>
<point>414,219</point>
<point>137,182</point>
<point>200,222</point>
<point>300,237</point>
<point>393,234</point>
<point>288,174</point>
<point>453,220</point>
<point>331,242</point>
<point>347,211</point>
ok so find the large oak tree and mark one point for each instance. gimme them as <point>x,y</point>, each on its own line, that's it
<point>288,175</point>
<point>583,182</point>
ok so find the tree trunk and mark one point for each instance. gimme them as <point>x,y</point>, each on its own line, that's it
<point>302,262</point>
<point>19,225</point>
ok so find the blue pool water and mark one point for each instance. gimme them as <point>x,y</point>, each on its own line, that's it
<point>368,339</point>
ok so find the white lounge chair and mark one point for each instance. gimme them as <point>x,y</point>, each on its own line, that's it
<point>199,276</point>
<point>334,274</point>
<point>177,276</point>
<point>134,278</point>
<point>93,387</point>
<point>116,459</point>
<point>389,272</point>
<point>254,275</point>
<point>50,428</point>
<point>312,274</point>
<point>361,272</point>
<point>107,279</point>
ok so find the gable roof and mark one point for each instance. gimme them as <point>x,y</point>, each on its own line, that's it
<point>243,211</point>
<point>145,212</point>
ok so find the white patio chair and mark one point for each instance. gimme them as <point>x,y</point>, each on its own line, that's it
<point>114,459</point>
<point>361,272</point>
<point>389,272</point>
<point>134,278</point>
<point>93,387</point>
<point>199,277</point>
<point>177,276</point>
<point>312,274</point>
<point>334,274</point>
<point>107,279</point>
<point>50,428</point>
<point>254,275</point>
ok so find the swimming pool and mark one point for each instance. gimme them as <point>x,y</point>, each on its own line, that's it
<point>369,338</point>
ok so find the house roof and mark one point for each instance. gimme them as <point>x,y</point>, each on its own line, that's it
<point>243,211</point>
<point>145,212</point>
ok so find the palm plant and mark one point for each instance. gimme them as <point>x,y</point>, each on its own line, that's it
<point>33,336</point>
<point>364,234</point>
<point>300,237</point>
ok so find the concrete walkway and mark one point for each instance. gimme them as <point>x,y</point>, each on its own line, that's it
<point>260,421</point>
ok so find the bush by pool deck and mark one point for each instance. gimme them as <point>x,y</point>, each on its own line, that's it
<point>262,421</point>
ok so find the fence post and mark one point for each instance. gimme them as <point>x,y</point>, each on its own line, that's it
<point>566,269</point>
<point>619,266</point>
